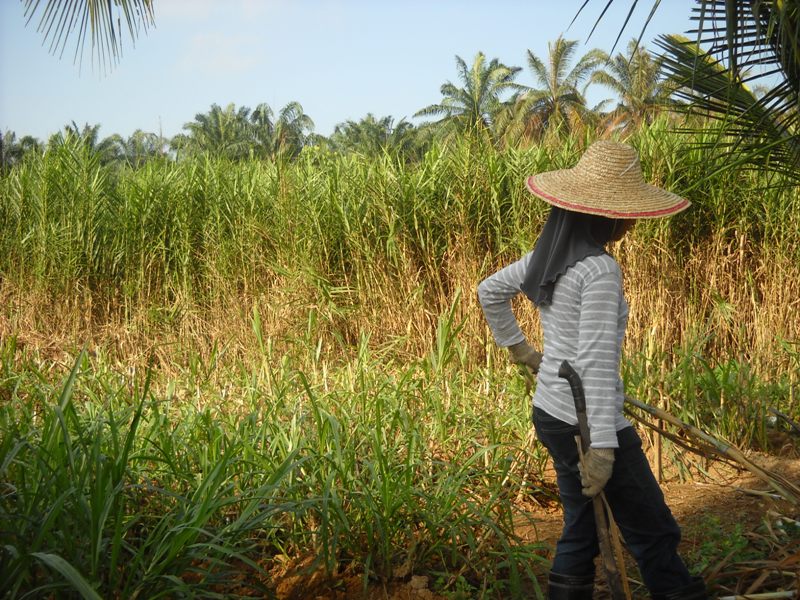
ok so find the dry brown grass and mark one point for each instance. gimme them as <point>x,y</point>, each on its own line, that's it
<point>740,299</point>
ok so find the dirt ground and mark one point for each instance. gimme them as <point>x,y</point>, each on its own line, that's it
<point>722,510</point>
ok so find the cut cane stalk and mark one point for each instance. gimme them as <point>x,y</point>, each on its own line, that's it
<point>779,484</point>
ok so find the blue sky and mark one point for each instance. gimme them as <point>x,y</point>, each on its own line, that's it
<point>341,59</point>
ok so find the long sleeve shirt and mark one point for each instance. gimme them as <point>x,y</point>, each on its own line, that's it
<point>585,324</point>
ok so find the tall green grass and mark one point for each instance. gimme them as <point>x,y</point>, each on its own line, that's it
<point>151,487</point>
<point>115,483</point>
<point>286,360</point>
<point>182,226</point>
<point>348,240</point>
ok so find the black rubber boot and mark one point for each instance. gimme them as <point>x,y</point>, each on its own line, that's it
<point>570,587</point>
<point>696,590</point>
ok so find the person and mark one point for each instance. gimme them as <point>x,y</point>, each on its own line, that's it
<point>577,286</point>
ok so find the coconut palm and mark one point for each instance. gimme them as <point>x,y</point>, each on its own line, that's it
<point>635,78</point>
<point>61,22</point>
<point>472,108</point>
<point>558,103</point>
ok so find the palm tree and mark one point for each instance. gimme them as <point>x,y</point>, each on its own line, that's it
<point>373,137</point>
<point>557,103</point>
<point>13,150</point>
<point>636,79</point>
<point>109,149</point>
<point>102,19</point>
<point>114,149</point>
<point>141,146</point>
<point>292,130</point>
<point>181,145</point>
<point>472,108</point>
<point>262,130</point>
<point>220,132</point>
<point>712,75</point>
<point>240,133</point>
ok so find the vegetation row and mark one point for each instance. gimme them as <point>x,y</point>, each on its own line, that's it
<point>487,97</point>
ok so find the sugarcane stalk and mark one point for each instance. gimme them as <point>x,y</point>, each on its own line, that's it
<point>697,448</point>
<point>762,596</point>
<point>786,489</point>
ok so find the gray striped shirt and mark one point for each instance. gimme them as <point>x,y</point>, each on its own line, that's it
<point>585,324</point>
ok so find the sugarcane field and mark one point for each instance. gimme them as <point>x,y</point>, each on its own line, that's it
<point>535,336</point>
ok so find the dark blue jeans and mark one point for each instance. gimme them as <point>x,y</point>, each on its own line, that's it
<point>647,525</point>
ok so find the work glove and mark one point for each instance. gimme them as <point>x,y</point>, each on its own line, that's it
<point>596,467</point>
<point>522,354</point>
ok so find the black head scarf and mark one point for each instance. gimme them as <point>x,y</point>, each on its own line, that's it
<point>567,238</point>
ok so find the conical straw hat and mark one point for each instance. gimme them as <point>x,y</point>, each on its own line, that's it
<point>607,181</point>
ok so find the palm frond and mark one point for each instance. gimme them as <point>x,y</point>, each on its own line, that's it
<point>434,110</point>
<point>743,33</point>
<point>463,69</point>
<point>607,80</point>
<point>538,68</point>
<point>101,21</point>
<point>747,33</point>
<point>758,132</point>
<point>588,63</point>
<point>608,4</point>
<point>737,43</point>
<point>561,53</point>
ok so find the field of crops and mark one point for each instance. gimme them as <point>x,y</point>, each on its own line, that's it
<point>213,372</point>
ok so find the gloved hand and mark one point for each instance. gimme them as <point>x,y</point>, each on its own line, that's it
<point>596,467</point>
<point>523,354</point>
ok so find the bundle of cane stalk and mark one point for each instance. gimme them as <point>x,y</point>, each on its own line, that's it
<point>774,576</point>
<point>698,441</point>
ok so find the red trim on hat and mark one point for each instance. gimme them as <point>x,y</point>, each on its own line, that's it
<point>603,211</point>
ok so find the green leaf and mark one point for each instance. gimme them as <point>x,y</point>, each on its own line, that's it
<point>69,572</point>
<point>101,20</point>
